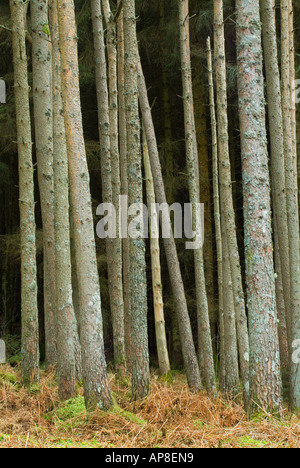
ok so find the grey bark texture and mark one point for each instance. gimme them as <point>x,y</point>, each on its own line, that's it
<point>29,309</point>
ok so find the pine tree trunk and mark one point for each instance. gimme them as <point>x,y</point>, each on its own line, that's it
<point>110,171</point>
<point>30,335</point>
<point>96,386</point>
<point>291,195</point>
<point>185,330</point>
<point>205,192</point>
<point>265,384</point>
<point>204,335</point>
<point>160,328</point>
<point>124,179</point>
<point>277,149</point>
<point>42,100</point>
<point>65,316</point>
<point>226,199</point>
<point>138,282</point>
<point>117,286</point>
<point>217,213</point>
<point>167,115</point>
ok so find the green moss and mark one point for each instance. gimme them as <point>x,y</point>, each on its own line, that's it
<point>7,377</point>
<point>251,443</point>
<point>126,414</point>
<point>201,424</point>
<point>34,389</point>
<point>168,378</point>
<point>46,29</point>
<point>70,409</point>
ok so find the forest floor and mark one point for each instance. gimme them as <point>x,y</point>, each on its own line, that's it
<point>171,417</point>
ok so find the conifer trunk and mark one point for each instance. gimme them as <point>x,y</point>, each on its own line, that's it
<point>65,315</point>
<point>291,193</point>
<point>217,212</point>
<point>204,335</point>
<point>96,386</point>
<point>138,282</point>
<point>226,199</point>
<point>265,384</point>
<point>185,330</point>
<point>43,122</point>
<point>124,179</point>
<point>160,326</point>
<point>277,149</point>
<point>29,310</point>
<point>110,171</point>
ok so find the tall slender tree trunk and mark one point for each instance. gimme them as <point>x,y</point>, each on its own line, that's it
<point>138,282</point>
<point>265,385</point>
<point>124,179</point>
<point>204,335</point>
<point>29,310</point>
<point>167,115</point>
<point>226,199</point>
<point>276,137</point>
<point>96,386</point>
<point>65,316</point>
<point>281,247</point>
<point>160,326</point>
<point>42,100</point>
<point>217,212</point>
<point>185,330</point>
<point>110,171</point>
<point>290,154</point>
<point>202,131</point>
<point>118,299</point>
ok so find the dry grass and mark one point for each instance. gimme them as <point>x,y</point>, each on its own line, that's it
<point>171,417</point>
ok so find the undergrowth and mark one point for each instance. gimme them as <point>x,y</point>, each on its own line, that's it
<point>170,417</point>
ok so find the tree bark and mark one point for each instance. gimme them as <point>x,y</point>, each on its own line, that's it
<point>124,179</point>
<point>29,309</point>
<point>204,334</point>
<point>265,384</point>
<point>110,171</point>
<point>96,386</point>
<point>185,330</point>
<point>138,282</point>
<point>281,246</point>
<point>226,199</point>
<point>160,326</point>
<point>43,122</point>
<point>65,316</point>
<point>217,212</point>
<point>291,195</point>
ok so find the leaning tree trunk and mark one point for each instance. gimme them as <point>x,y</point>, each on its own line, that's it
<point>96,386</point>
<point>42,100</point>
<point>29,310</point>
<point>65,315</point>
<point>291,195</point>
<point>204,335</point>
<point>265,384</point>
<point>138,282</point>
<point>185,330</point>
<point>226,199</point>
